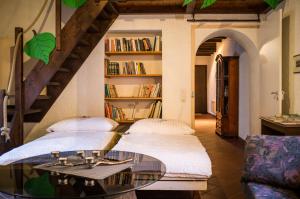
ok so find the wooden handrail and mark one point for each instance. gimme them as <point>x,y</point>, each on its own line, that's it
<point>58,24</point>
<point>2,94</point>
<point>18,119</point>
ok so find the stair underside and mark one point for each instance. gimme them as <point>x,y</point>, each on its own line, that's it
<point>79,37</point>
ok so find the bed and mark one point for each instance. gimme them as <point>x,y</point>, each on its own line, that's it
<point>68,135</point>
<point>188,165</point>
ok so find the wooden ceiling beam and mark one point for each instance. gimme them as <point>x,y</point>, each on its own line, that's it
<point>175,7</point>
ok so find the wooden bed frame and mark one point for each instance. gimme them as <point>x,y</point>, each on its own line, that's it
<point>178,184</point>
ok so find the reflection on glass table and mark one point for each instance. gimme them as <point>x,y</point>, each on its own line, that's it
<point>76,175</point>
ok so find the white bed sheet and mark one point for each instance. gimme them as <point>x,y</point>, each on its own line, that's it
<point>59,141</point>
<point>183,155</point>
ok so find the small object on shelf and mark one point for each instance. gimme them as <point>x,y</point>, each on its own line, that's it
<point>55,154</point>
<point>89,183</point>
<point>62,181</point>
<point>80,154</point>
<point>63,161</point>
<point>96,154</point>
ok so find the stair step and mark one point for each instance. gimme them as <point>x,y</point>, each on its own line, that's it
<point>53,84</point>
<point>64,70</point>
<point>74,56</point>
<point>83,42</point>
<point>104,15</point>
<point>95,27</point>
<point>112,8</point>
<point>40,97</point>
<point>11,110</point>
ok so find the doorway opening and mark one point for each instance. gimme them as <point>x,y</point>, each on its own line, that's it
<point>222,86</point>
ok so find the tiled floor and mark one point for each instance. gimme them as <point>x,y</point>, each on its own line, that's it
<point>227,160</point>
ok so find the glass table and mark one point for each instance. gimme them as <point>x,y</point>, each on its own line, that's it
<point>80,174</point>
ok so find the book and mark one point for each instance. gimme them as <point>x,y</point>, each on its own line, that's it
<point>124,68</point>
<point>110,91</point>
<point>133,44</point>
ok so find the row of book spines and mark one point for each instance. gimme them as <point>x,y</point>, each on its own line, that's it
<point>120,179</point>
<point>113,112</point>
<point>129,68</point>
<point>150,90</point>
<point>145,91</point>
<point>110,91</point>
<point>135,45</point>
<point>155,110</point>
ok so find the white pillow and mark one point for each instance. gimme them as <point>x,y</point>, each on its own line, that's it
<point>100,124</point>
<point>160,126</point>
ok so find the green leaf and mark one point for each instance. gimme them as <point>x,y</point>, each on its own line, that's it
<point>207,3</point>
<point>40,46</point>
<point>272,3</point>
<point>186,2</point>
<point>74,3</point>
<point>40,186</point>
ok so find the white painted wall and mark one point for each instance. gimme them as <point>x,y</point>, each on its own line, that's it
<point>202,60</point>
<point>270,59</point>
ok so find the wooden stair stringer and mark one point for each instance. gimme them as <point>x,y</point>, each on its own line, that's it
<point>72,32</point>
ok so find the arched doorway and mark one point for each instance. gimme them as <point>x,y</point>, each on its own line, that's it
<point>249,93</point>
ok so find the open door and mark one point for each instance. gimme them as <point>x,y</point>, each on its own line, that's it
<point>200,89</point>
<point>270,41</point>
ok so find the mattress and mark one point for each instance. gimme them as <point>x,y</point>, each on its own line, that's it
<point>183,155</point>
<point>61,141</point>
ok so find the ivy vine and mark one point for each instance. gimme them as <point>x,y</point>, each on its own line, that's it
<point>206,3</point>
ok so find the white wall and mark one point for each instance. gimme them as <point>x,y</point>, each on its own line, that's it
<point>202,60</point>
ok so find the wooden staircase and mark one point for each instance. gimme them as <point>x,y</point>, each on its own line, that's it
<point>78,38</point>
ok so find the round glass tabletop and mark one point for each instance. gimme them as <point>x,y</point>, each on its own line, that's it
<point>80,174</point>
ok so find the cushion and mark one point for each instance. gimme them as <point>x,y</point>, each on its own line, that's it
<point>273,160</point>
<point>100,124</point>
<point>261,191</point>
<point>160,126</point>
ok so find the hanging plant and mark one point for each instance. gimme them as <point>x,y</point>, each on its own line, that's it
<point>74,3</point>
<point>272,3</point>
<point>40,46</point>
<point>206,3</point>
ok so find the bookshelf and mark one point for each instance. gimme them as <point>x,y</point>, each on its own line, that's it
<point>133,75</point>
<point>145,75</point>
<point>134,53</point>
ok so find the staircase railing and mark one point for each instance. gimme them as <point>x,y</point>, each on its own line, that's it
<point>2,94</point>
<point>13,137</point>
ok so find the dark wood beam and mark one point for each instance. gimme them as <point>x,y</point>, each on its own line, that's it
<point>17,131</point>
<point>2,94</point>
<point>58,24</point>
<point>190,9</point>
<point>175,6</point>
<point>204,54</point>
